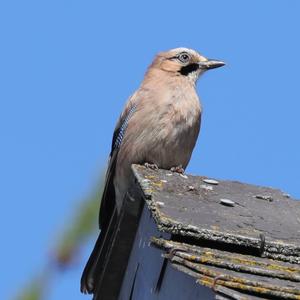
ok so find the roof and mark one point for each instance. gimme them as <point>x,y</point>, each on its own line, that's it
<point>240,239</point>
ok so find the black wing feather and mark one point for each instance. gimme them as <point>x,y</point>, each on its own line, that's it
<point>120,130</point>
<point>107,205</point>
<point>108,196</point>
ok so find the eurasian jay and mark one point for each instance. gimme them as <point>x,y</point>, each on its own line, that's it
<point>158,127</point>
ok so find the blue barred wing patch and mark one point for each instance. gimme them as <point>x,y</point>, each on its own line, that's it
<point>120,131</point>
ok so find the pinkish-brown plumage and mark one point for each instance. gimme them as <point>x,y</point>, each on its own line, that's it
<point>159,125</point>
<point>164,128</point>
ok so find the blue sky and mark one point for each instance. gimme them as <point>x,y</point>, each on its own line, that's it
<point>66,69</point>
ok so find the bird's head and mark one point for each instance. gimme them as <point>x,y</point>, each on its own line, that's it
<point>185,62</point>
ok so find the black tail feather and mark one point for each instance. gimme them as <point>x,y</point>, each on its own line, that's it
<point>87,283</point>
<point>107,217</point>
<point>97,259</point>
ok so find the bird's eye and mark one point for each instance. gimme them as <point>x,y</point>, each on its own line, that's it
<point>184,57</point>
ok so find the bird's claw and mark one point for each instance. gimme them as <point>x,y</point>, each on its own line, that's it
<point>151,166</point>
<point>179,169</point>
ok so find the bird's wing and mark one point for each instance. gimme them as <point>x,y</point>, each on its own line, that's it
<point>108,196</point>
<point>108,201</point>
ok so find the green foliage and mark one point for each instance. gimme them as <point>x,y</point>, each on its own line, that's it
<point>34,290</point>
<point>79,228</point>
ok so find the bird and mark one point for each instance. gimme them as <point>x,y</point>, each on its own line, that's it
<point>158,127</point>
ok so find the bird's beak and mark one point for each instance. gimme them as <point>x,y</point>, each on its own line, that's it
<point>211,64</point>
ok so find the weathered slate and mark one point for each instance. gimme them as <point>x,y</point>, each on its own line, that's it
<point>225,212</point>
<point>150,277</point>
<point>236,272</point>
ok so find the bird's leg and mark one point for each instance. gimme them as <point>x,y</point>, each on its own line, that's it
<point>179,169</point>
<point>151,166</point>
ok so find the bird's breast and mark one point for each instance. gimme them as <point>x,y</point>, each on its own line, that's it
<point>176,131</point>
<point>163,130</point>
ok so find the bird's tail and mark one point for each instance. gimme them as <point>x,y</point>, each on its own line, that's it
<point>107,218</point>
<point>96,262</point>
<point>87,284</point>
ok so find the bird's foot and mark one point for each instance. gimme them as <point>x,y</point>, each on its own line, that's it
<point>151,166</point>
<point>179,169</point>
